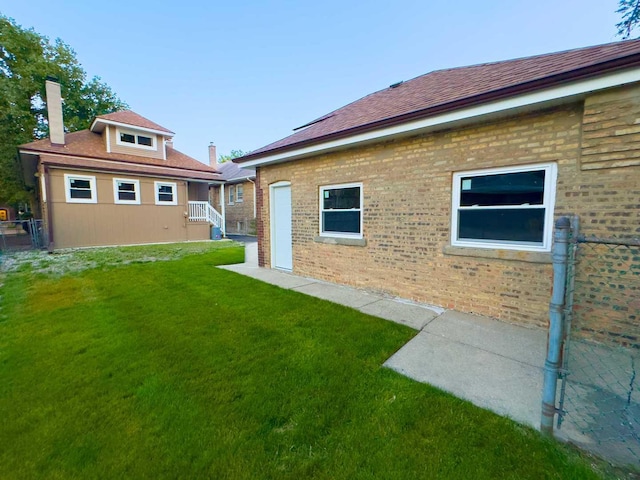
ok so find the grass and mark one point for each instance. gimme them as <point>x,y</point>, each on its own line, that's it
<point>178,369</point>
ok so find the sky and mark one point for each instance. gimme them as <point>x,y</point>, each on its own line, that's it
<point>243,74</point>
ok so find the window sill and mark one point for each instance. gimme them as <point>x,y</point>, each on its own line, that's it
<point>513,255</point>
<point>353,242</point>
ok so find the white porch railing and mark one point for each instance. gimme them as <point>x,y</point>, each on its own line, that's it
<point>204,212</point>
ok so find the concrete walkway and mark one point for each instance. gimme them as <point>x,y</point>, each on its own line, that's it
<point>492,364</point>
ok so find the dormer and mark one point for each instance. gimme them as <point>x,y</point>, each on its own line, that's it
<point>128,133</point>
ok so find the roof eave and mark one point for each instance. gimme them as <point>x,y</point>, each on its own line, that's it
<point>150,172</point>
<point>95,127</point>
<point>592,72</point>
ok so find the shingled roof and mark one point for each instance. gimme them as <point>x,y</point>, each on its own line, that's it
<point>129,117</point>
<point>447,90</point>
<point>232,172</point>
<point>85,149</point>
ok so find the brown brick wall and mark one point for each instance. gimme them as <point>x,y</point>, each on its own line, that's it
<point>239,211</point>
<point>611,129</point>
<point>407,212</point>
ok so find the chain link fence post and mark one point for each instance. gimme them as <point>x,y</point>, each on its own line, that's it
<point>554,343</point>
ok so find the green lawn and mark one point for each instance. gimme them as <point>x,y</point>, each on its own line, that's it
<point>177,369</point>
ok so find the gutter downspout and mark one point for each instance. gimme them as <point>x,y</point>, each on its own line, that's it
<point>223,227</point>
<point>254,197</point>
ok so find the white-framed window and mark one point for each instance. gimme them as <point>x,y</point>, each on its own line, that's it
<point>341,210</point>
<point>126,191</point>
<point>507,208</point>
<point>232,194</point>
<point>131,138</point>
<point>166,193</point>
<point>80,188</point>
<point>239,193</point>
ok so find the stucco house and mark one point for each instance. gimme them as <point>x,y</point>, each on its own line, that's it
<point>236,198</point>
<point>119,182</point>
<point>444,188</point>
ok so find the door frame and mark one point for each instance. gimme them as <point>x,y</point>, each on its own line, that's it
<point>272,209</point>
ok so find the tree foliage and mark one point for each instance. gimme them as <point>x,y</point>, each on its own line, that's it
<point>26,60</point>
<point>231,156</point>
<point>630,13</point>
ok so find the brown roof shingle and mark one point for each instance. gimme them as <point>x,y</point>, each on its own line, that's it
<point>132,118</point>
<point>86,149</point>
<point>449,89</point>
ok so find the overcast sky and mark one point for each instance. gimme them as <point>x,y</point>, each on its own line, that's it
<point>245,73</point>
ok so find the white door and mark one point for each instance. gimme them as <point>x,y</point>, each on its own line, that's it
<point>281,252</point>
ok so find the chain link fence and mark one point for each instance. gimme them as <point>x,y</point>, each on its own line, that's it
<point>600,390</point>
<point>19,235</point>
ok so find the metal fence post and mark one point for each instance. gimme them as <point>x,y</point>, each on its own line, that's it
<point>552,363</point>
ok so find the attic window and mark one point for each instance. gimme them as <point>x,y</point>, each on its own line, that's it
<point>148,141</point>
<point>125,137</point>
<point>132,139</point>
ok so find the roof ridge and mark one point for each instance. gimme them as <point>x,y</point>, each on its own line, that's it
<point>449,89</point>
<point>526,57</point>
<point>463,67</point>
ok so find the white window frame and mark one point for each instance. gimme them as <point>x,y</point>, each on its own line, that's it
<point>68,177</point>
<point>548,203</point>
<point>321,191</point>
<point>136,135</point>
<point>174,187</point>
<point>116,191</point>
<point>239,193</point>
<point>231,195</point>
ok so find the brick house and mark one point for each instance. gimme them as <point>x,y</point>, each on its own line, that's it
<point>444,188</point>
<point>119,182</point>
<point>236,197</point>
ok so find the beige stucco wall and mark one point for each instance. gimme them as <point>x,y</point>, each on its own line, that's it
<point>158,152</point>
<point>407,186</point>
<point>107,223</point>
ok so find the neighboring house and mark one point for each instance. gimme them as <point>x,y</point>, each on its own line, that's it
<point>236,198</point>
<point>444,188</point>
<point>7,213</point>
<point>119,182</point>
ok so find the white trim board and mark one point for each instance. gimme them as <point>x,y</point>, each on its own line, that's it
<point>539,99</point>
<point>134,127</point>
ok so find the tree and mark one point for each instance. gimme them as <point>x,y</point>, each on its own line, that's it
<point>630,11</point>
<point>231,156</point>
<point>26,60</point>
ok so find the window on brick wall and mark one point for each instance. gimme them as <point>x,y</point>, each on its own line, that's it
<point>239,193</point>
<point>341,210</point>
<point>232,194</point>
<point>510,208</point>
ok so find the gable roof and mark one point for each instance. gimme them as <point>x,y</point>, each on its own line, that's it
<point>448,90</point>
<point>128,117</point>
<point>231,172</point>
<point>86,149</point>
